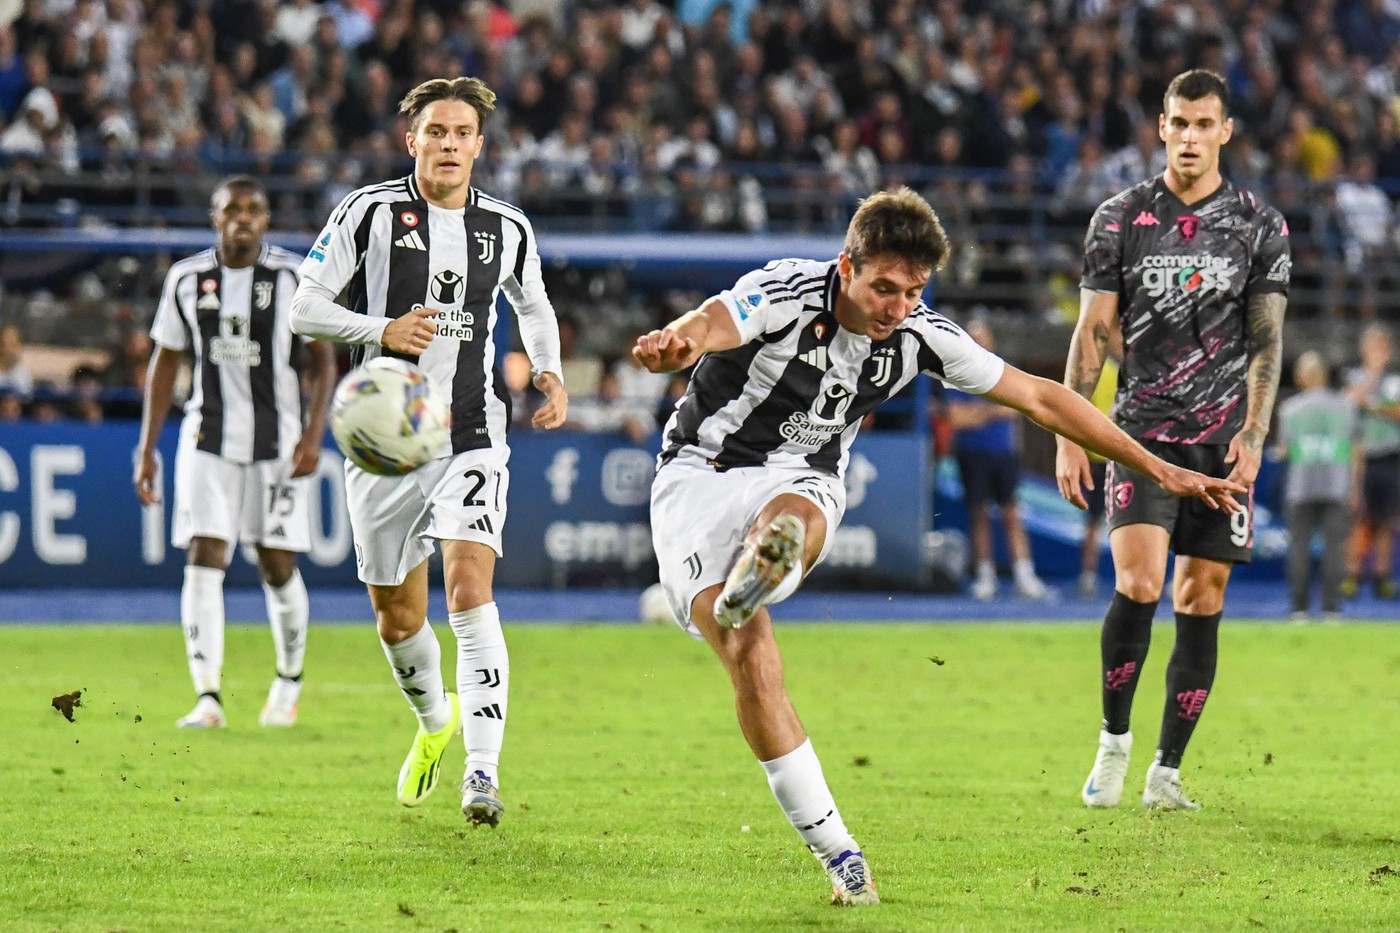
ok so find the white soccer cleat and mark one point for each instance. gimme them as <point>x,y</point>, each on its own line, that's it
<point>481,800</point>
<point>760,569</point>
<point>281,706</point>
<point>1163,791</point>
<point>207,714</point>
<point>1104,788</point>
<point>851,884</point>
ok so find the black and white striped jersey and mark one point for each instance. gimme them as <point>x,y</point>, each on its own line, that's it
<point>390,251</point>
<point>794,392</point>
<point>236,323</point>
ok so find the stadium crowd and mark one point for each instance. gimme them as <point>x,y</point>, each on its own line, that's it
<point>1015,118</point>
<point>703,115</point>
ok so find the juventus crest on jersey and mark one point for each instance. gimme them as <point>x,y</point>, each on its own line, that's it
<point>794,393</point>
<point>246,394</point>
<point>394,252</point>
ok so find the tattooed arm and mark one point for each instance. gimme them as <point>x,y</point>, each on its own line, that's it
<point>1089,348</point>
<point>1264,335</point>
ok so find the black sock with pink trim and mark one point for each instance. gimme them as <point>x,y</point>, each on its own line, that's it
<point>1190,675</point>
<point>1127,632</point>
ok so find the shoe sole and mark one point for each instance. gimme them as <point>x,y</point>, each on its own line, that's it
<point>775,551</point>
<point>481,809</point>
<point>842,898</point>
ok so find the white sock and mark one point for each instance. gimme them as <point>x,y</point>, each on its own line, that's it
<point>800,789</point>
<point>202,617</point>
<point>986,570</point>
<point>417,665</point>
<point>483,680</point>
<point>288,611</point>
<point>1025,569</point>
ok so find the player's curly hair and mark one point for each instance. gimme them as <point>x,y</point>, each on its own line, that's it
<point>472,91</point>
<point>897,223</point>
<point>1197,84</point>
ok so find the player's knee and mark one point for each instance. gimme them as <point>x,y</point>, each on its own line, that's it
<point>1139,588</point>
<point>207,552</point>
<point>277,567</point>
<point>756,667</point>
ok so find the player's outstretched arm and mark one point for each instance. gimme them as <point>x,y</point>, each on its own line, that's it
<point>1264,334</point>
<point>160,389</point>
<point>1089,348</point>
<point>1070,415</point>
<point>678,345</point>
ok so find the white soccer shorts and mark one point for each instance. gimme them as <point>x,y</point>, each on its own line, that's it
<point>257,503</point>
<point>396,519</point>
<point>699,517</point>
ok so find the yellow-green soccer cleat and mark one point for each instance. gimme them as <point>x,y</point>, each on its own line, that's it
<point>421,769</point>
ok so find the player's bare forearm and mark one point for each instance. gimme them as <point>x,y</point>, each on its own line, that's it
<point>1090,345</point>
<point>322,381</point>
<point>1264,334</point>
<point>160,389</point>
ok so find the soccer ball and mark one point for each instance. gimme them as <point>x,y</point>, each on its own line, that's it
<point>389,418</point>
<point>654,606</point>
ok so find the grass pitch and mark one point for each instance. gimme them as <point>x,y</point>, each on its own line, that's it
<point>956,753</point>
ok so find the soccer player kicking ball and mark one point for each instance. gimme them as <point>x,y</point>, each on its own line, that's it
<point>748,492</point>
<point>1194,273</point>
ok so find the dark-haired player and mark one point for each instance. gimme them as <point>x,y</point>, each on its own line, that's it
<point>246,453</point>
<point>1195,272</point>
<point>748,491</point>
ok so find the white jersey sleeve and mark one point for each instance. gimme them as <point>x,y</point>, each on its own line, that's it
<point>768,299</point>
<point>539,327</point>
<point>168,329</point>
<point>325,272</point>
<point>951,356</point>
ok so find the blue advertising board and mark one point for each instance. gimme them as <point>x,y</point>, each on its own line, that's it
<point>578,513</point>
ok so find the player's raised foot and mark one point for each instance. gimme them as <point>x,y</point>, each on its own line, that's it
<point>761,567</point>
<point>207,714</point>
<point>851,884</point>
<point>1104,788</point>
<point>1163,791</point>
<point>281,706</point>
<point>420,771</point>
<point>481,801</point>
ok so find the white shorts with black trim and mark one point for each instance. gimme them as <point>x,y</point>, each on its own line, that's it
<point>700,516</point>
<point>256,503</point>
<point>396,519</point>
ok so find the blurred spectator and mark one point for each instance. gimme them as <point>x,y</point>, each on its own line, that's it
<point>1365,212</point>
<point>582,370</point>
<point>1318,432</point>
<point>85,395</point>
<point>1374,387</point>
<point>11,404</point>
<point>124,378</point>
<point>13,373</point>
<point>988,458</point>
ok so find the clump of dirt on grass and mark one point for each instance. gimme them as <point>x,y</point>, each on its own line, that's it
<point>65,703</point>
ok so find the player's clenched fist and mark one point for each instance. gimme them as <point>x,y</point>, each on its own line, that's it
<point>411,333</point>
<point>665,351</point>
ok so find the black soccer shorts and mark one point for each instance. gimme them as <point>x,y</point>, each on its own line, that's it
<point>1195,528</point>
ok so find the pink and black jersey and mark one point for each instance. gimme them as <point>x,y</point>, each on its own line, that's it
<point>1183,275</point>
